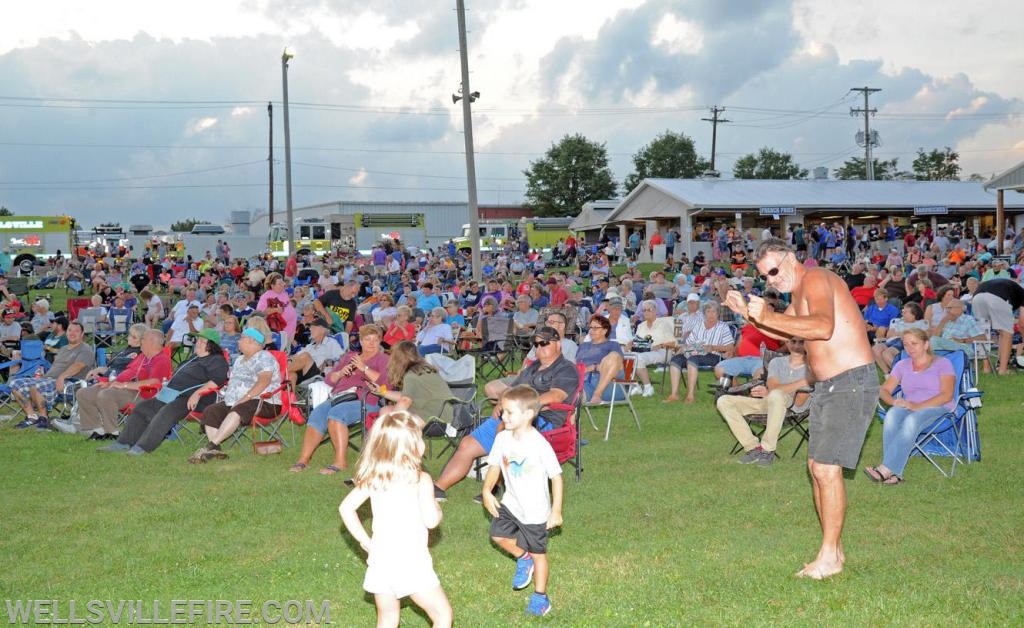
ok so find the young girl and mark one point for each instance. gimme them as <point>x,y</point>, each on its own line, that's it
<point>402,500</point>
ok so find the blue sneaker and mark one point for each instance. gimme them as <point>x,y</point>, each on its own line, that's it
<point>539,605</point>
<point>524,573</point>
<point>136,451</point>
<point>43,425</point>
<point>26,423</point>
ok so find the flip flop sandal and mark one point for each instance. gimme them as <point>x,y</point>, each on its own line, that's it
<point>874,474</point>
<point>892,480</point>
<point>329,470</point>
<point>297,467</point>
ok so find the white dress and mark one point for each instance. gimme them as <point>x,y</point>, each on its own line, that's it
<point>399,562</point>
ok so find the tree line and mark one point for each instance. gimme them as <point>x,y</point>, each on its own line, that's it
<point>575,170</point>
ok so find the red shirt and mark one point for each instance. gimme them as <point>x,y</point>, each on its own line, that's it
<point>157,367</point>
<point>397,333</point>
<point>863,295</point>
<point>750,342</point>
<point>559,296</point>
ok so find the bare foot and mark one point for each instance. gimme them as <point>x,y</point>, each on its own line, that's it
<point>670,399</point>
<point>594,401</point>
<point>819,570</point>
<point>688,399</point>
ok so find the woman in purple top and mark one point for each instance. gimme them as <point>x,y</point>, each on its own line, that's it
<point>928,383</point>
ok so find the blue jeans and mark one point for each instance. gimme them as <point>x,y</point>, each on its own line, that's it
<point>900,430</point>
<point>347,412</point>
<point>428,349</point>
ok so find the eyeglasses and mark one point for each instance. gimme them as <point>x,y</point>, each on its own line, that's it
<point>595,327</point>
<point>541,343</point>
<point>773,272</point>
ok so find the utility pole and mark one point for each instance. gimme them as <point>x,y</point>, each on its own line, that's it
<point>869,165</point>
<point>289,250</point>
<point>270,164</point>
<point>468,96</point>
<point>715,121</point>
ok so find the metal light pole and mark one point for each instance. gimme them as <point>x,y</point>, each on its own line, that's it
<point>285,57</point>
<point>270,164</point>
<point>468,96</point>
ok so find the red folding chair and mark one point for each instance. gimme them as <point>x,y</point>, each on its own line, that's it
<point>565,440</point>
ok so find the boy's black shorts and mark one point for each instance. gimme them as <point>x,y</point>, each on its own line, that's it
<point>531,537</point>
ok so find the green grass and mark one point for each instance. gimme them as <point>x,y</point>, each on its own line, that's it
<point>665,529</point>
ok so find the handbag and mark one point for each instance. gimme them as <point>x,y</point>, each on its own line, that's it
<point>264,447</point>
<point>167,394</point>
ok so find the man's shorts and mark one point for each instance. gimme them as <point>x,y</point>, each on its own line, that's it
<point>985,306</point>
<point>841,411</point>
<point>532,537</point>
<point>487,431</point>
<point>46,386</point>
<point>309,373</point>
<point>700,360</point>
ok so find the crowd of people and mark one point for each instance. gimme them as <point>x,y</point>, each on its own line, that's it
<point>362,332</point>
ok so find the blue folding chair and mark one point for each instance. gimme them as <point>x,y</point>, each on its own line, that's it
<point>33,360</point>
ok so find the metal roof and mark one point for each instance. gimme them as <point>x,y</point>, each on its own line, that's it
<point>1012,179</point>
<point>665,198</point>
<point>593,215</point>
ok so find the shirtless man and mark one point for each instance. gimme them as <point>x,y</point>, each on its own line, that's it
<point>846,384</point>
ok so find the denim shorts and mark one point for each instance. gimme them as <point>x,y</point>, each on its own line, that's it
<point>841,411</point>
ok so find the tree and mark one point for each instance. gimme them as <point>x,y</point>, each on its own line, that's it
<point>768,164</point>
<point>937,165</point>
<point>853,169</point>
<point>669,156</point>
<point>572,172</point>
<point>186,225</point>
<point>5,212</point>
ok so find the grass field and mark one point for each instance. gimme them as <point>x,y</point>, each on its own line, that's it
<point>664,530</point>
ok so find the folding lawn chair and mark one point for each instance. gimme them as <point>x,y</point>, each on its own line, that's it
<point>565,440</point>
<point>32,362</point>
<point>794,421</point>
<point>494,351</point>
<point>627,381</point>
<point>269,428</point>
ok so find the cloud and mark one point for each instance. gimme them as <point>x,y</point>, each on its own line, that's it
<point>200,125</point>
<point>359,178</point>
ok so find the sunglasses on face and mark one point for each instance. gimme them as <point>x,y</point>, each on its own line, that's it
<point>541,343</point>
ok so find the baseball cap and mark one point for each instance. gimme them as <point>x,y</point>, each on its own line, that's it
<point>547,333</point>
<point>693,296</point>
<point>320,322</point>
<point>8,312</point>
<point>615,302</point>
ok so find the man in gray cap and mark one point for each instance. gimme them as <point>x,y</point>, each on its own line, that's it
<point>322,348</point>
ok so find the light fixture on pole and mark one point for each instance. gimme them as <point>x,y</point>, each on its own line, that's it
<point>286,56</point>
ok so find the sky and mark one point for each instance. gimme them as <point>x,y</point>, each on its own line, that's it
<point>146,112</point>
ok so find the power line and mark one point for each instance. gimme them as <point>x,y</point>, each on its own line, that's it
<point>715,121</point>
<point>136,178</point>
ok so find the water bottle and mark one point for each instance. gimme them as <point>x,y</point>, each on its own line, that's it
<point>39,372</point>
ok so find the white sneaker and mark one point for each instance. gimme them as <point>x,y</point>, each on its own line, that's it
<point>648,390</point>
<point>63,426</point>
<point>635,390</point>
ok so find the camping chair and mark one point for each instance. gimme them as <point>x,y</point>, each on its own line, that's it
<point>677,333</point>
<point>93,320</point>
<point>954,434</point>
<point>120,319</point>
<point>983,348</point>
<point>493,350</point>
<point>794,421</point>
<point>627,381</point>
<point>32,361</point>
<point>465,417</point>
<point>269,428</point>
<point>565,440</point>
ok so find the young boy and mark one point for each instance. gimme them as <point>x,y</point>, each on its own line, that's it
<point>527,510</point>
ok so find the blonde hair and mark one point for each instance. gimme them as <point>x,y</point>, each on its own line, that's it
<point>922,336</point>
<point>526,397</point>
<point>393,452</point>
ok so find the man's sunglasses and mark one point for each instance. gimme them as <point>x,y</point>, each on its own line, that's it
<point>541,343</point>
<point>771,273</point>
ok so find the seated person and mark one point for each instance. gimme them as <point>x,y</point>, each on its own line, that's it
<point>436,335</point>
<point>524,319</point>
<point>553,377</point>
<point>152,419</point>
<point>601,358</point>
<point>786,374</point>
<point>957,331</point>
<point>42,318</point>
<point>10,333</point>
<point>886,349</point>
<point>879,314</point>
<point>310,360</point>
<point>254,373</point>
<point>928,382</point>
<point>652,344</point>
<point>402,328</point>
<point>706,346</point>
<point>57,339</point>
<point>453,317</point>
<point>36,395</point>
<point>353,371</point>
<point>747,360</point>
<point>230,333</point>
<point>191,323</point>
<point>410,377</point>
<point>864,293</point>
<point>99,405</point>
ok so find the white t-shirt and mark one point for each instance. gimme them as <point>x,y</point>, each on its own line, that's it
<point>526,464</point>
<point>329,349</point>
<point>180,327</point>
